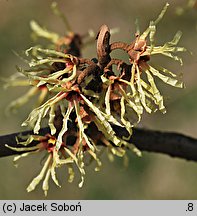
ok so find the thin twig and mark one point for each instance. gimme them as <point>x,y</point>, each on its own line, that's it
<point>172,144</point>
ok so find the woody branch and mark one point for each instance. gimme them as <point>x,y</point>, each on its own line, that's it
<point>169,143</point>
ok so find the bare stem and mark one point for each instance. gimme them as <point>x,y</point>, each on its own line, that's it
<point>170,143</point>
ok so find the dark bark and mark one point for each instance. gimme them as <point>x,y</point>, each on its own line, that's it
<point>172,144</point>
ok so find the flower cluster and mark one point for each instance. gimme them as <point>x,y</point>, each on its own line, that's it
<point>86,102</point>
